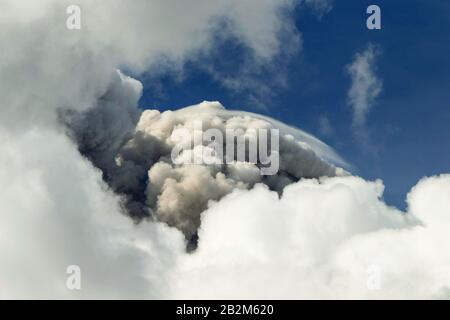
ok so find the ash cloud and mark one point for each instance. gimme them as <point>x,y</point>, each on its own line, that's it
<point>134,152</point>
<point>314,238</point>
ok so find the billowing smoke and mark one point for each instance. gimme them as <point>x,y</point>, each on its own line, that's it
<point>139,164</point>
<point>78,158</point>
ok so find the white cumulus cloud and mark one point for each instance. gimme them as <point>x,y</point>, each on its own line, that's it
<point>74,146</point>
<point>322,239</point>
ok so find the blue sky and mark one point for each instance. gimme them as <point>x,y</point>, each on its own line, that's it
<point>408,127</point>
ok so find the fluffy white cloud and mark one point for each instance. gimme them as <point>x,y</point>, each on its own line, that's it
<point>316,240</point>
<point>365,86</point>
<point>319,240</point>
<point>333,238</point>
<point>55,208</point>
<point>57,68</point>
<point>56,211</point>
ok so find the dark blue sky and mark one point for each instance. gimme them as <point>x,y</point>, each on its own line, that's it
<point>409,125</point>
